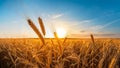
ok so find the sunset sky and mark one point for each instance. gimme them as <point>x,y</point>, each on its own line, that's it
<point>79,18</point>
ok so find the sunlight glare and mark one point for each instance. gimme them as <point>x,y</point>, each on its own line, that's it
<point>61,32</point>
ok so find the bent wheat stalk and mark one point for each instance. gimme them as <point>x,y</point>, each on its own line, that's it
<point>41,26</point>
<point>36,30</point>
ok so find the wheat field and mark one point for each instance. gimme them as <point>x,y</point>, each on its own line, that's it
<point>59,52</point>
<point>59,33</point>
<point>74,53</point>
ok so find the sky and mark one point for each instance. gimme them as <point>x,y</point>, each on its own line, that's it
<point>79,18</point>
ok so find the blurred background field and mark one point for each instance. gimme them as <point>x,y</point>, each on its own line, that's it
<point>75,53</point>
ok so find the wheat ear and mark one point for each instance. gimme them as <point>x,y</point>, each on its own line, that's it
<point>36,30</point>
<point>41,26</point>
<point>92,38</point>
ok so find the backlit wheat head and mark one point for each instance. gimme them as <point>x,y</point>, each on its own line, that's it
<point>31,24</point>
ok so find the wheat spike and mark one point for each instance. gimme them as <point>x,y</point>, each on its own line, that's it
<point>92,38</point>
<point>55,35</point>
<point>36,30</point>
<point>41,26</point>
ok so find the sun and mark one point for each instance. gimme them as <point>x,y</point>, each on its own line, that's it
<point>61,32</point>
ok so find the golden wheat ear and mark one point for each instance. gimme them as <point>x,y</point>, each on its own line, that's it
<point>42,26</point>
<point>31,24</point>
<point>92,38</point>
<point>55,35</point>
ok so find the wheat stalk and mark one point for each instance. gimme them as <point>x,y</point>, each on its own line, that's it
<point>92,38</point>
<point>52,42</point>
<point>60,47</point>
<point>65,39</point>
<point>41,26</point>
<point>36,30</point>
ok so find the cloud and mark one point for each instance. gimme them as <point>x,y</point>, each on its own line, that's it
<point>14,22</point>
<point>100,27</point>
<point>96,35</point>
<point>104,34</point>
<point>57,16</point>
<point>83,22</point>
<point>82,31</point>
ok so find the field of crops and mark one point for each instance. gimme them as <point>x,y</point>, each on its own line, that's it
<point>68,53</point>
<point>59,53</point>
